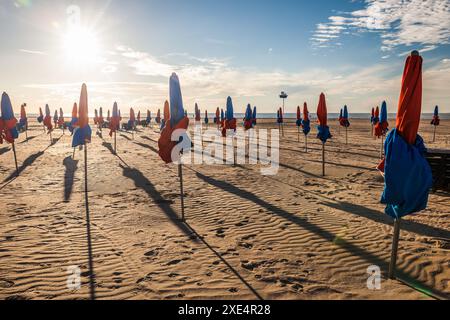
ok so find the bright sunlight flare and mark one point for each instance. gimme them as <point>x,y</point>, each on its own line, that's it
<point>81,46</point>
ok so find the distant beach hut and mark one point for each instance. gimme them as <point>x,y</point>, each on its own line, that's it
<point>114,125</point>
<point>48,122</point>
<point>254,116</point>
<point>176,120</point>
<point>344,122</point>
<point>248,119</point>
<point>435,122</point>
<point>408,176</point>
<point>23,122</point>
<point>323,129</point>
<point>8,126</point>
<point>299,121</point>
<point>382,126</point>
<point>306,125</point>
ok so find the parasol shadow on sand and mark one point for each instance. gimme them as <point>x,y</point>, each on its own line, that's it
<point>141,182</point>
<point>324,234</point>
<point>28,162</point>
<point>71,167</point>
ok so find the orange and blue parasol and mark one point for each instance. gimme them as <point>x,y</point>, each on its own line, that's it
<point>74,118</point>
<point>306,123</point>
<point>23,122</point>
<point>206,117</point>
<point>61,118</point>
<point>176,120</point>
<point>230,122</point>
<point>407,173</point>
<point>83,132</point>
<point>322,115</point>
<point>158,117</point>
<point>248,119</point>
<point>343,121</point>
<point>436,120</point>
<point>48,119</point>
<point>381,128</point>
<point>40,119</point>
<point>114,124</point>
<point>299,117</point>
<point>8,122</point>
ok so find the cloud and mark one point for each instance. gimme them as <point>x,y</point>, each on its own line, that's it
<point>399,23</point>
<point>33,52</point>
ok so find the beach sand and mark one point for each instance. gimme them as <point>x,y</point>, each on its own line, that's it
<point>296,235</point>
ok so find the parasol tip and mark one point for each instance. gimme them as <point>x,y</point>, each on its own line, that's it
<point>415,53</point>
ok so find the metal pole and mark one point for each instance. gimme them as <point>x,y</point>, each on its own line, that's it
<point>15,158</point>
<point>346,135</point>
<point>395,241</point>
<point>323,159</point>
<point>115,142</point>
<point>306,143</point>
<point>180,174</point>
<point>434,135</point>
<point>382,145</point>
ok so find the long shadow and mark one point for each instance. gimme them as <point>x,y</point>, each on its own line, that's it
<point>141,182</point>
<point>28,162</point>
<point>4,150</point>
<point>149,139</point>
<point>324,234</point>
<point>28,140</point>
<point>374,215</point>
<point>71,167</point>
<point>332,151</point>
<point>108,146</point>
<point>126,137</point>
<point>202,239</point>
<point>147,146</point>
<point>89,238</point>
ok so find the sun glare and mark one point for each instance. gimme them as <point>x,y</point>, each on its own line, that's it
<point>81,46</point>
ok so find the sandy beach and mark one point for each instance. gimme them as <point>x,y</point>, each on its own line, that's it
<point>295,235</point>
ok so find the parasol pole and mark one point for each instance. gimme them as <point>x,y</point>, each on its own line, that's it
<point>15,158</point>
<point>306,143</point>
<point>298,134</point>
<point>434,135</point>
<point>115,142</point>
<point>346,136</point>
<point>395,241</point>
<point>382,145</point>
<point>51,138</point>
<point>323,159</point>
<point>180,174</point>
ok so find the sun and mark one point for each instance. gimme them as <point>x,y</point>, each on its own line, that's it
<point>81,46</point>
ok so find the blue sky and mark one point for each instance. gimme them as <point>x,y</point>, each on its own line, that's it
<point>125,51</point>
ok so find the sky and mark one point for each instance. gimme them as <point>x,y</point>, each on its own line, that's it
<point>251,50</point>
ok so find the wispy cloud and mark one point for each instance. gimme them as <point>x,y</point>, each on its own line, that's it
<point>400,23</point>
<point>33,52</point>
